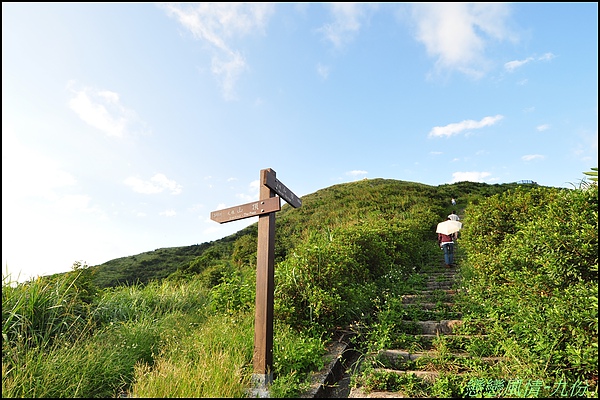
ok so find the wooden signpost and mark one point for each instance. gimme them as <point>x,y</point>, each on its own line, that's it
<point>246,210</point>
<point>265,208</point>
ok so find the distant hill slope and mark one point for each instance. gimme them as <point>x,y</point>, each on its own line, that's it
<point>340,204</point>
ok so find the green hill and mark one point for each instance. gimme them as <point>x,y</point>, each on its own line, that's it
<point>328,208</point>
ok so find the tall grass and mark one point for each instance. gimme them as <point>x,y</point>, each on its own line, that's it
<point>40,311</point>
<point>158,340</point>
<point>99,366</point>
<point>211,360</point>
<point>55,345</point>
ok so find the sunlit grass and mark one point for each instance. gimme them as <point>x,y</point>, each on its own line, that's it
<point>211,360</point>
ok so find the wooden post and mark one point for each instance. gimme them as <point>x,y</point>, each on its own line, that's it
<point>265,288</point>
<point>265,209</point>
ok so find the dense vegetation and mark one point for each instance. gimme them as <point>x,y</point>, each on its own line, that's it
<point>154,324</point>
<point>532,272</point>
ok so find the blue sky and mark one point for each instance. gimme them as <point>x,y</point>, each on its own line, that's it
<point>125,124</point>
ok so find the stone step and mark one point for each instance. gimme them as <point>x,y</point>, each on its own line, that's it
<point>452,337</point>
<point>360,393</point>
<point>439,285</point>
<point>429,376</point>
<point>433,315</point>
<point>443,327</point>
<point>425,375</point>
<point>426,292</point>
<point>453,342</point>
<point>435,298</point>
<point>430,306</point>
<point>445,295</point>
<point>445,276</point>
<point>431,311</point>
<point>440,279</point>
<point>398,356</point>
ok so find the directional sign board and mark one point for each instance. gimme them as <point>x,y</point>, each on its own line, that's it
<point>275,185</point>
<point>247,210</point>
<point>265,265</point>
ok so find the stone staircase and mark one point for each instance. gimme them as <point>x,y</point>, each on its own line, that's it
<point>431,346</point>
<point>433,315</point>
<point>434,347</point>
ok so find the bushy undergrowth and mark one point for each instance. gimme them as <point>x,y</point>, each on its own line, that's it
<point>532,269</point>
<point>332,277</point>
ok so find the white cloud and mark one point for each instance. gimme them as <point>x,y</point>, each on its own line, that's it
<point>513,65</point>
<point>157,184</point>
<point>219,206</point>
<point>253,193</point>
<point>103,110</point>
<point>347,22</point>
<point>216,24</point>
<point>547,57</point>
<point>229,71</point>
<point>531,157</point>
<point>166,183</point>
<point>456,128</point>
<point>255,185</point>
<point>472,176</point>
<point>356,173</point>
<point>456,34</point>
<point>542,127</point>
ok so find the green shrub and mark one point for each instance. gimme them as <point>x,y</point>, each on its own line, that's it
<point>235,293</point>
<point>532,269</point>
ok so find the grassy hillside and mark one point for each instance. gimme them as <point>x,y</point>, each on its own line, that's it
<point>338,205</point>
<point>345,259</point>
